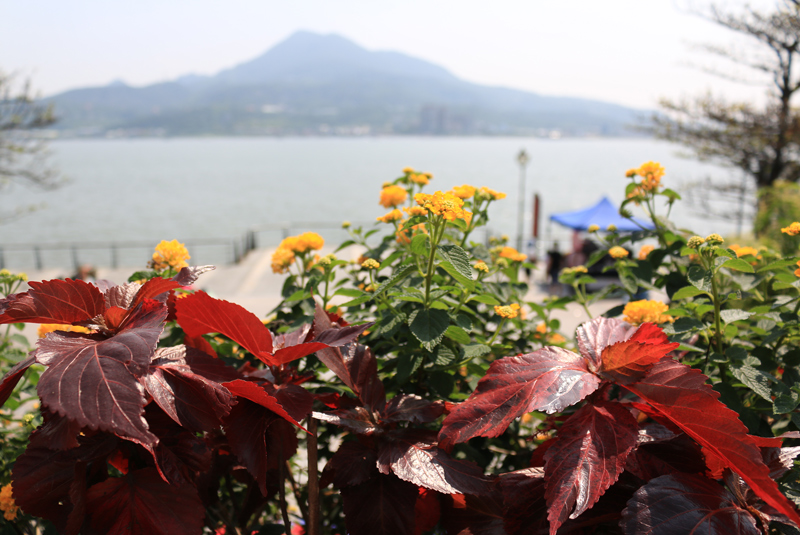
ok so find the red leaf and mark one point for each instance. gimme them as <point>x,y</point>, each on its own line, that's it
<point>463,514</point>
<point>587,459</point>
<point>12,377</point>
<point>141,503</point>
<point>189,275</point>
<point>413,456</point>
<point>290,402</point>
<point>181,454</point>
<point>54,301</point>
<point>594,336</point>
<point>662,452</point>
<point>352,464</point>
<point>185,383</point>
<point>524,505</point>
<point>200,343</point>
<point>154,288</point>
<point>358,419</point>
<point>426,511</point>
<point>201,314</point>
<point>682,395</point>
<point>549,380</point>
<point>94,380</point>
<point>246,426</point>
<point>684,503</point>
<point>412,408</point>
<point>383,504</point>
<point>357,367</point>
<point>58,432</point>
<point>628,361</point>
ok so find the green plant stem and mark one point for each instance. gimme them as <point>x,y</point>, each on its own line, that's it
<point>582,300</point>
<point>717,319</point>
<point>499,328</point>
<point>436,222</point>
<point>325,298</point>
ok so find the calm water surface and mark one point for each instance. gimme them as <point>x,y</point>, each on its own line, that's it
<point>153,189</point>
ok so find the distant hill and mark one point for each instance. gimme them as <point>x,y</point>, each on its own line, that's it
<point>325,84</point>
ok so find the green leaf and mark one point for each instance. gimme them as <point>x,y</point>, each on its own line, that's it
<point>687,291</point>
<point>442,383</point>
<point>429,326</point>
<point>391,258</point>
<point>407,365</point>
<point>348,292</point>
<point>395,279</point>
<point>386,328</point>
<point>472,351</point>
<point>444,356</point>
<point>683,325</point>
<point>468,283</point>
<point>458,257</point>
<point>786,400</point>
<point>729,316</point>
<point>700,278</point>
<point>419,244</point>
<point>486,299</point>
<point>358,301</point>
<point>779,264</point>
<point>756,380</point>
<point>457,334</point>
<point>739,265</point>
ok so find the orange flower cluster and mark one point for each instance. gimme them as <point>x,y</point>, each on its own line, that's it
<point>797,271</point>
<point>744,251</point>
<point>646,310</point>
<point>644,251</point>
<point>512,254</point>
<point>508,311</point>
<point>464,191</point>
<point>651,173</point>
<point>394,215</point>
<point>446,205</point>
<point>618,252</point>
<point>7,504</point>
<point>170,255</point>
<point>393,196</point>
<point>46,328</point>
<point>491,194</point>
<point>284,255</point>
<point>423,179</point>
<point>792,230</point>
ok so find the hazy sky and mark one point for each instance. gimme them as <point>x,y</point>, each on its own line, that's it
<point>626,51</point>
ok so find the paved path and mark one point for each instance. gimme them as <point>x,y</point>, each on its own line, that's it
<point>253,285</point>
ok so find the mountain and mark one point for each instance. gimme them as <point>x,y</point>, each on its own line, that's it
<point>326,84</point>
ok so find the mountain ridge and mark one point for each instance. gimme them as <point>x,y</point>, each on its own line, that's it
<point>326,84</point>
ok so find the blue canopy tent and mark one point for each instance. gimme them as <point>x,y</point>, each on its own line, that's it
<point>602,214</point>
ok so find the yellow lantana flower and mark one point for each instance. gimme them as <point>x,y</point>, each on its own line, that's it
<point>393,196</point>
<point>512,254</point>
<point>491,194</point>
<point>464,191</point>
<point>651,173</point>
<point>743,251</point>
<point>792,230</point>
<point>415,210</point>
<point>408,170</point>
<point>170,255</point>
<point>308,241</point>
<point>394,215</point>
<point>480,265</point>
<point>370,263</point>
<point>593,228</point>
<point>7,504</point>
<point>420,178</point>
<point>446,205</point>
<point>646,310</point>
<point>644,251</point>
<point>508,311</point>
<point>46,328</point>
<point>282,258</point>
<point>618,252</point>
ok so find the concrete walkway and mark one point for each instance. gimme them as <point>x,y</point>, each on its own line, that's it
<point>253,285</point>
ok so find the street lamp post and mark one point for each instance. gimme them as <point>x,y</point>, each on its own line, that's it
<point>522,159</point>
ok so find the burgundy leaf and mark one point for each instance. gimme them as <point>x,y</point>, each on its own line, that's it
<point>181,455</point>
<point>12,377</point>
<point>54,301</point>
<point>94,380</point>
<point>681,394</point>
<point>339,336</point>
<point>383,504</point>
<point>524,504</point>
<point>155,288</point>
<point>779,460</point>
<point>412,408</point>
<point>189,275</point>
<point>58,432</point>
<point>414,457</point>
<point>43,477</point>
<point>291,402</point>
<point>77,496</point>
<point>185,383</point>
<point>684,503</point>
<point>141,503</point>
<point>288,354</point>
<point>352,464</point>
<point>122,295</point>
<point>549,380</point>
<point>201,314</point>
<point>587,459</point>
<point>664,453</point>
<point>594,336</point>
<point>358,419</point>
<point>463,514</point>
<point>427,511</point>
<point>298,336</point>
<point>629,361</point>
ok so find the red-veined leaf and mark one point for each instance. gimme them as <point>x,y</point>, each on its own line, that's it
<point>55,301</point>
<point>548,380</point>
<point>245,427</point>
<point>383,504</point>
<point>356,366</point>
<point>685,503</point>
<point>352,464</point>
<point>94,380</point>
<point>185,383</point>
<point>629,360</point>
<point>464,514</point>
<point>587,459</point>
<point>594,336</point>
<point>153,289</point>
<point>524,504</point>
<point>181,454</point>
<point>412,408</point>
<point>662,452</point>
<point>358,420</point>
<point>189,275</point>
<point>200,313</point>
<point>426,511</point>
<point>141,503</point>
<point>290,402</point>
<point>681,394</point>
<point>414,457</point>
<point>12,377</point>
